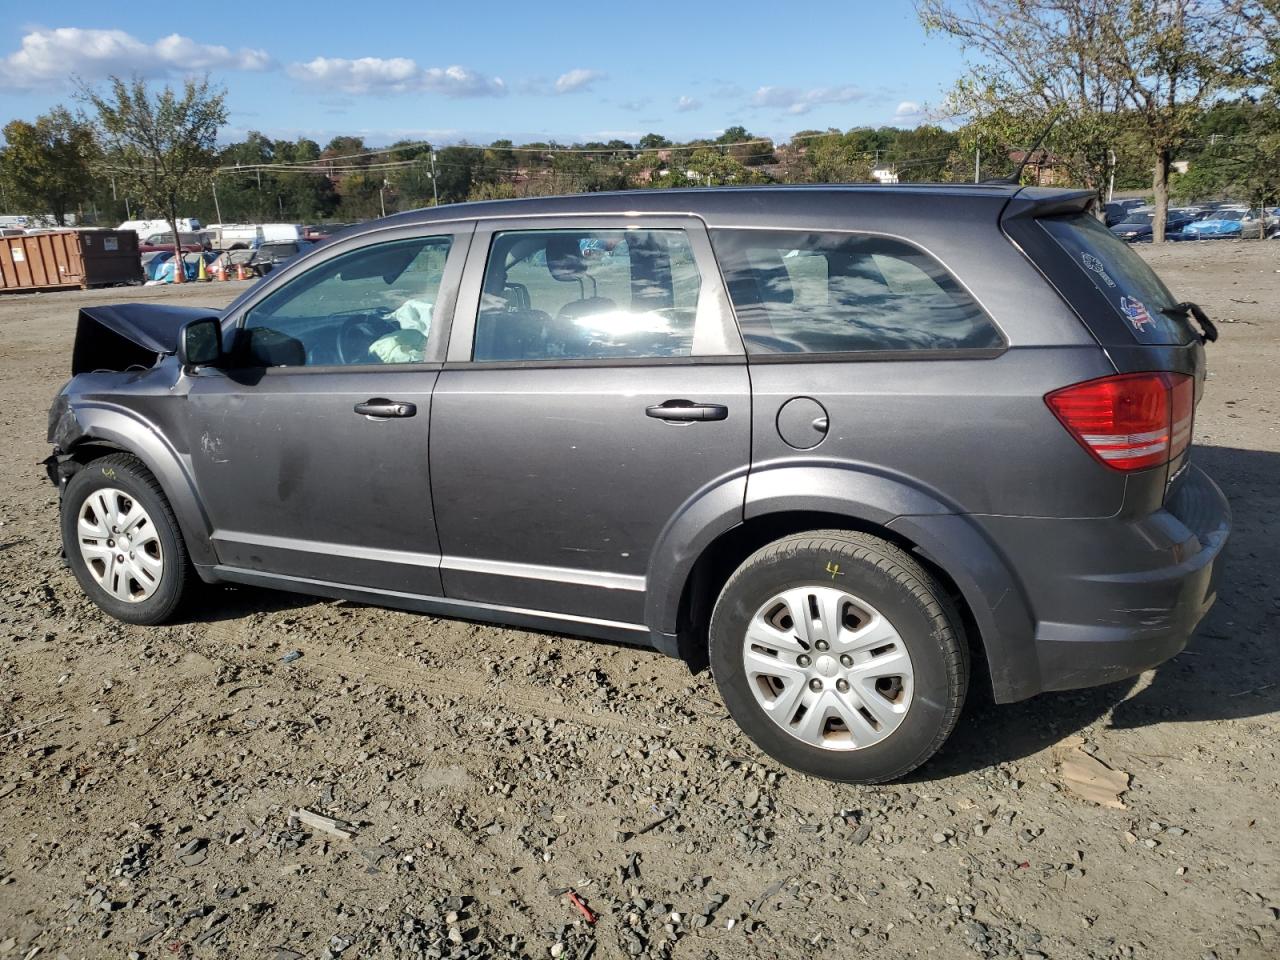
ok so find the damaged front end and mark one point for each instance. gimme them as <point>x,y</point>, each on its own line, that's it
<point>129,336</point>
<point>118,348</point>
<point>64,433</point>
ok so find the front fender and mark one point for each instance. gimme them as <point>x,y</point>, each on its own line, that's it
<point>81,422</point>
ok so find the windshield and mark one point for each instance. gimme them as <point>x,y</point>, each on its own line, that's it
<point>1137,219</point>
<point>1231,215</point>
<point>1122,276</point>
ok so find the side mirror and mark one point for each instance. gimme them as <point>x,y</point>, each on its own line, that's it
<point>200,343</point>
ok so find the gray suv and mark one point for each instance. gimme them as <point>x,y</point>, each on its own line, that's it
<point>842,443</point>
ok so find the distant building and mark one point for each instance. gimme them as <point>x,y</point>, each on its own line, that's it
<point>884,174</point>
<point>1042,168</point>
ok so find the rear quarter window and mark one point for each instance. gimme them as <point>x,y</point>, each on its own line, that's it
<point>839,293</point>
<point>1123,278</point>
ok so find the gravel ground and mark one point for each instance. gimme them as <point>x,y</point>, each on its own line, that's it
<point>463,788</point>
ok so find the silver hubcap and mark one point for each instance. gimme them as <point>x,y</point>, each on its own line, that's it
<point>828,668</point>
<point>120,545</point>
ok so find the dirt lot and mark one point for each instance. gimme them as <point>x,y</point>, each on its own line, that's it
<point>148,776</point>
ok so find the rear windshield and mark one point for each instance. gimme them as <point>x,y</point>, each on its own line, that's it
<point>1123,278</point>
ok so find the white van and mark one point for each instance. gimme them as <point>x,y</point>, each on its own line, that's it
<point>236,236</point>
<point>281,232</point>
<point>146,227</point>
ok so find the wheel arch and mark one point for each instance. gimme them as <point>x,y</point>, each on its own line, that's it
<point>98,430</point>
<point>994,611</point>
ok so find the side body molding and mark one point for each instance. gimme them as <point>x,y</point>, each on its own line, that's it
<point>89,420</point>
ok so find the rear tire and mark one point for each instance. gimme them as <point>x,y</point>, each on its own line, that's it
<point>123,542</point>
<point>839,655</point>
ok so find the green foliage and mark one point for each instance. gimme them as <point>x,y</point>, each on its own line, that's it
<point>1122,76</point>
<point>45,166</point>
<point>1234,153</point>
<point>161,146</point>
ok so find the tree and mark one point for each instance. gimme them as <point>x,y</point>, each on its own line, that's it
<point>1105,68</point>
<point>653,141</point>
<point>1172,59</point>
<point>162,144</point>
<point>45,166</point>
<point>1035,59</point>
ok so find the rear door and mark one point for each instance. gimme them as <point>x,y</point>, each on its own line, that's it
<point>595,385</point>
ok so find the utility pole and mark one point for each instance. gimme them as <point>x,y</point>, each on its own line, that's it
<point>977,164</point>
<point>217,209</point>
<point>1111,174</point>
<point>435,192</point>
<point>382,196</point>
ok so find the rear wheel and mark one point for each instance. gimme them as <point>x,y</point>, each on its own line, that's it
<point>122,541</point>
<point>840,656</point>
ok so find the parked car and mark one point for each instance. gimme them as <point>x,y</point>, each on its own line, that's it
<point>154,243</point>
<point>271,255</point>
<point>1118,210</point>
<point>1137,226</point>
<point>838,442</point>
<point>1227,223</point>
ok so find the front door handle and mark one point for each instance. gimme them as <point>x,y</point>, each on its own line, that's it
<point>686,410</point>
<point>382,407</point>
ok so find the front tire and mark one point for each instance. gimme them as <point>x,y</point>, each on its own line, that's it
<point>123,542</point>
<point>838,654</point>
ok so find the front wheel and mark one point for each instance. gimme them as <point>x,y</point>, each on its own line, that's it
<point>840,656</point>
<point>122,541</point>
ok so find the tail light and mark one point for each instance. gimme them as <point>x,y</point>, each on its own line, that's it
<point>1133,421</point>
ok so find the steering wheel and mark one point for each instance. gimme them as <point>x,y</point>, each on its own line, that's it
<point>357,334</point>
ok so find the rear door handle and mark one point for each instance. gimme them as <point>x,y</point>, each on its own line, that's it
<point>686,410</point>
<point>382,407</point>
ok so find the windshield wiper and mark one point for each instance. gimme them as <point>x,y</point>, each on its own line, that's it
<point>1187,309</point>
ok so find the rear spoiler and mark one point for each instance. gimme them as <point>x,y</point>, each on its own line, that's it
<point>1047,202</point>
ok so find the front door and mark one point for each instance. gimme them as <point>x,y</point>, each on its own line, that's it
<point>595,385</point>
<point>310,447</point>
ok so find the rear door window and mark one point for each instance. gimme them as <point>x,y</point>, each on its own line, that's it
<point>834,293</point>
<point>1122,277</point>
<point>554,295</point>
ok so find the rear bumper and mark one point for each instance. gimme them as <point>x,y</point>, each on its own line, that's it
<point>1111,598</point>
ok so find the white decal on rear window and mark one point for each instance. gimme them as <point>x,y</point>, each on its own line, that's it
<point>1136,312</point>
<point>1093,263</point>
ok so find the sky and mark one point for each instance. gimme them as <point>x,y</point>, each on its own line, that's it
<point>448,72</point>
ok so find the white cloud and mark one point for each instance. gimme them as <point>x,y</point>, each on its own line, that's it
<point>577,80</point>
<point>52,57</point>
<point>394,75</point>
<point>908,112</point>
<point>796,101</point>
<point>685,104</point>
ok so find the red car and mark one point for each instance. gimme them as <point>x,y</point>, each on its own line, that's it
<point>156,242</point>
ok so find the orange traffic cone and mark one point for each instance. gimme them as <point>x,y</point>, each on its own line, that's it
<point>219,269</point>
<point>240,274</point>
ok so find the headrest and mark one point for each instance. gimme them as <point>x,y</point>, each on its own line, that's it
<point>564,258</point>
